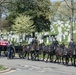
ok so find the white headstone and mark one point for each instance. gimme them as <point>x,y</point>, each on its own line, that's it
<point>47,40</point>
<point>69,36</point>
<point>59,37</point>
<point>66,33</point>
<point>60,30</point>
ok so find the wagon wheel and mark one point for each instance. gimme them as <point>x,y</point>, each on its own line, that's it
<point>12,54</point>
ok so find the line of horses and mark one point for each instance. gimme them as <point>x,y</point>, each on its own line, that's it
<point>50,53</point>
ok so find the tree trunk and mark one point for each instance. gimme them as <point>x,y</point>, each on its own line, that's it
<point>72,16</point>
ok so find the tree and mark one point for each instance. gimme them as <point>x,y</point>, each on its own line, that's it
<point>54,9</point>
<point>67,10</point>
<point>4,24</point>
<point>72,9</point>
<point>38,9</point>
<point>23,24</point>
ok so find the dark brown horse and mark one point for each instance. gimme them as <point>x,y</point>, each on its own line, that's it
<point>32,51</point>
<point>58,53</point>
<point>71,54</point>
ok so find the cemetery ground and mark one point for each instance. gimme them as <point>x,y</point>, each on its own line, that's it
<point>27,67</point>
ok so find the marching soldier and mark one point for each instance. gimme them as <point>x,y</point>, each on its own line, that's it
<point>10,50</point>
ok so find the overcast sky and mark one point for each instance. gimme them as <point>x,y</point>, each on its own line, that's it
<point>56,0</point>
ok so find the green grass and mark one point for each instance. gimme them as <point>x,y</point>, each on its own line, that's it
<point>2,68</point>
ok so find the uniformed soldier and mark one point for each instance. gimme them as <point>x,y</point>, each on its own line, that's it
<point>34,41</point>
<point>55,42</point>
<point>8,50</point>
<point>71,44</point>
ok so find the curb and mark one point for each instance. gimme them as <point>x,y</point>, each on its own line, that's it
<point>7,70</point>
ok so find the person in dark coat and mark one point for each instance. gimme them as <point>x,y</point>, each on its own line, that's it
<point>55,43</point>
<point>9,50</point>
<point>71,44</point>
<point>34,41</point>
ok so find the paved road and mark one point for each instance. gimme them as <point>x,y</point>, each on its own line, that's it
<point>28,67</point>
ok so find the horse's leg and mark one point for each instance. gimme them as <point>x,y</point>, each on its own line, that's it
<point>63,59</point>
<point>38,56</point>
<point>43,56</point>
<point>60,58</point>
<point>74,60</point>
<point>24,54</point>
<point>56,59</point>
<point>28,55</point>
<point>71,60</point>
<point>51,59</point>
<point>31,56</point>
<point>67,60</point>
<point>47,57</point>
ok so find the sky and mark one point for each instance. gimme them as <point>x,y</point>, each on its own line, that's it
<point>56,0</point>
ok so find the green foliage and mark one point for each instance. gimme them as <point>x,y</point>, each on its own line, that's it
<point>42,23</point>
<point>39,10</point>
<point>2,68</point>
<point>23,24</point>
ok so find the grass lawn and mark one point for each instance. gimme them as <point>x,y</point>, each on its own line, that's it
<point>2,68</point>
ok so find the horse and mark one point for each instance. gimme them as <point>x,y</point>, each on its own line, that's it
<point>70,54</point>
<point>32,51</point>
<point>44,51</point>
<point>64,55</point>
<point>58,53</point>
<point>74,56</point>
<point>19,51</point>
<point>38,51</point>
<point>49,53</point>
<point>27,51</point>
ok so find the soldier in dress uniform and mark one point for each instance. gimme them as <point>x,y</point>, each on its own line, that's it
<point>9,50</point>
<point>71,44</point>
<point>55,43</point>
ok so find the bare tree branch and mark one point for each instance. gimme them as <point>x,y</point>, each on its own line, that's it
<point>67,4</point>
<point>64,13</point>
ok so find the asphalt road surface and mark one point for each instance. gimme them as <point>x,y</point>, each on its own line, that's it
<point>28,67</point>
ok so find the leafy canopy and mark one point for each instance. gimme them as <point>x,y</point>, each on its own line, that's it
<point>39,10</point>
<point>23,24</point>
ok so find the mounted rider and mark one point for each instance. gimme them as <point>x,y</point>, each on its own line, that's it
<point>55,43</point>
<point>71,44</point>
<point>62,46</point>
<point>34,41</point>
